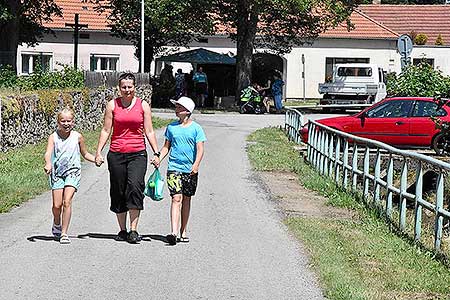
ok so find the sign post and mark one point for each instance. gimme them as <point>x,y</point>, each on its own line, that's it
<point>405,47</point>
<point>303,77</point>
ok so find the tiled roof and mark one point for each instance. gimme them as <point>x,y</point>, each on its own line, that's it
<point>429,19</point>
<point>365,27</point>
<point>85,9</point>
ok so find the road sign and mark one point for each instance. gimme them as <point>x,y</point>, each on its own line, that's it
<point>404,45</point>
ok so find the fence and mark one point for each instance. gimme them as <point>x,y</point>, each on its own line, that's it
<point>109,79</point>
<point>382,175</point>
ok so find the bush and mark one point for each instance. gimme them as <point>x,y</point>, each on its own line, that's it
<point>68,77</point>
<point>418,81</point>
<point>439,40</point>
<point>420,39</point>
<point>8,77</point>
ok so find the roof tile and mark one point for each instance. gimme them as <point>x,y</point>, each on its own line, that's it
<point>431,20</point>
<point>85,9</point>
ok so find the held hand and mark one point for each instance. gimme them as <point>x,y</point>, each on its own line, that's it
<point>99,160</point>
<point>48,169</point>
<point>155,161</point>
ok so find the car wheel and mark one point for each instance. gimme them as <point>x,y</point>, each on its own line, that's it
<point>441,144</point>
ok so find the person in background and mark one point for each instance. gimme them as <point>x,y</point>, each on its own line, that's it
<point>277,92</point>
<point>180,84</point>
<point>201,86</point>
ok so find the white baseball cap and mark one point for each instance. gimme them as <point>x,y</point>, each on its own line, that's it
<point>186,102</point>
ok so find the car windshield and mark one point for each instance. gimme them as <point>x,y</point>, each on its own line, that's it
<point>355,71</point>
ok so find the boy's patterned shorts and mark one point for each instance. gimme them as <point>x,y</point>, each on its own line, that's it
<point>182,183</point>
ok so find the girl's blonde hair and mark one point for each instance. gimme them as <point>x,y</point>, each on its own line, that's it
<point>65,110</point>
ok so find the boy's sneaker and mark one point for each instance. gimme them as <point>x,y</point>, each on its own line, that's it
<point>56,230</point>
<point>133,237</point>
<point>122,236</point>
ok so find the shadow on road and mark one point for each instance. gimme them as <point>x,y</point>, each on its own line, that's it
<point>50,238</point>
<point>144,237</point>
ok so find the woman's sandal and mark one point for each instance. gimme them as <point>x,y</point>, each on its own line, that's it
<point>64,239</point>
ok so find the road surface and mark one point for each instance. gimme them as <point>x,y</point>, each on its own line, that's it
<point>239,248</point>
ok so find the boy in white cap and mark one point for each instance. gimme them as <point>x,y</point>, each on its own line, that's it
<point>184,144</point>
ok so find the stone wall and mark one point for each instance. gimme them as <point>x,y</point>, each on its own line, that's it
<point>31,117</point>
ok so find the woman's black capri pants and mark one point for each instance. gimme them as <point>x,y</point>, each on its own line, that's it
<point>126,177</point>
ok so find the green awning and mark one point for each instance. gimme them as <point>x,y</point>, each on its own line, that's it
<point>199,56</point>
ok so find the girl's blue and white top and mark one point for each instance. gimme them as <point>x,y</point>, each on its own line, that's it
<point>66,156</point>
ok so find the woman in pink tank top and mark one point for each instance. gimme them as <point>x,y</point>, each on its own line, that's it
<point>128,120</point>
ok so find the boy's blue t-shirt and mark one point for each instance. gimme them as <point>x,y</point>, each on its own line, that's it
<point>183,145</point>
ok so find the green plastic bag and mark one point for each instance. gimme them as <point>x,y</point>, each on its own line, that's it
<point>155,186</point>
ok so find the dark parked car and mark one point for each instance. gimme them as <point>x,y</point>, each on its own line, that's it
<point>402,122</point>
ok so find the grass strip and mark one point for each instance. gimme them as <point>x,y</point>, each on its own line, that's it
<point>358,258</point>
<point>22,174</point>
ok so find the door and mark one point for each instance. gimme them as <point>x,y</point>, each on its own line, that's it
<point>422,128</point>
<point>387,122</point>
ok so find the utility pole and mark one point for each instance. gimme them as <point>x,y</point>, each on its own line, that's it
<point>142,36</point>
<point>303,77</point>
<point>76,26</point>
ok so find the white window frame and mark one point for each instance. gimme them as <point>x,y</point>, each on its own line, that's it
<point>31,63</point>
<point>98,65</point>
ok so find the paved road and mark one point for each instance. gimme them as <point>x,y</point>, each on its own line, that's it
<point>239,249</point>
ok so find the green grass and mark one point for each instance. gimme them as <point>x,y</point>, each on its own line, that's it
<point>22,174</point>
<point>359,258</point>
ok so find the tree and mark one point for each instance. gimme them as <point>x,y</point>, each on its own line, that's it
<point>167,22</point>
<point>406,1</point>
<point>21,22</point>
<point>276,25</point>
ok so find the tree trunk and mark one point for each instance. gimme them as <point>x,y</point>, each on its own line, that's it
<point>9,36</point>
<point>246,32</point>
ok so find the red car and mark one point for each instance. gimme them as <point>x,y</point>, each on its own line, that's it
<point>401,122</point>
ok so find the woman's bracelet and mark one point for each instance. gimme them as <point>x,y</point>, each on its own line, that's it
<point>157,154</point>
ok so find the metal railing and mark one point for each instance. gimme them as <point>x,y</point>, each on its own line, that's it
<point>379,172</point>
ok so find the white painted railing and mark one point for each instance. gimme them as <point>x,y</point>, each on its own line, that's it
<point>378,171</point>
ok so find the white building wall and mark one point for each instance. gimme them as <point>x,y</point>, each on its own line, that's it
<point>440,54</point>
<point>381,52</point>
<point>101,43</point>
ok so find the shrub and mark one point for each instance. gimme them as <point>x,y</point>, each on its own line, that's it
<point>68,77</point>
<point>439,40</point>
<point>419,80</point>
<point>420,39</point>
<point>8,77</point>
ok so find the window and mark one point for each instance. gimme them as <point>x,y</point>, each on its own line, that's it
<point>391,109</point>
<point>32,61</point>
<point>354,71</point>
<point>417,61</point>
<point>330,62</point>
<point>104,63</point>
<point>427,109</point>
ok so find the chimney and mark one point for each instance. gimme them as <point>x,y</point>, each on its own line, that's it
<point>376,1</point>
